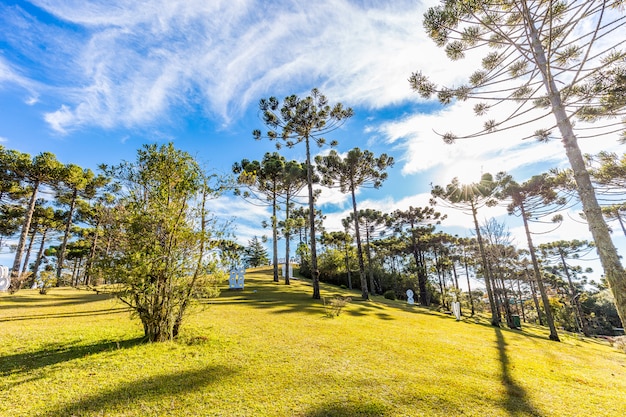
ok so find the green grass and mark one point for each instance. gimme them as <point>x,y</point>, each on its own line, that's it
<point>270,350</point>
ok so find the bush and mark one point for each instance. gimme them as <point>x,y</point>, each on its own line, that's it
<point>619,343</point>
<point>390,295</point>
<point>334,306</point>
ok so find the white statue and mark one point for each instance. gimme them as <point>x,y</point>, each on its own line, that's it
<point>236,279</point>
<point>409,296</point>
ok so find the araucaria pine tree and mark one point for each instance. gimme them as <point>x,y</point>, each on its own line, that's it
<point>547,60</point>
<point>303,120</point>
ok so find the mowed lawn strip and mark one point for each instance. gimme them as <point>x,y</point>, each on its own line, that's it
<point>270,350</point>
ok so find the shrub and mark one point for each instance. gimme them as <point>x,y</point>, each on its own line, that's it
<point>47,279</point>
<point>619,343</point>
<point>333,306</point>
<point>390,295</point>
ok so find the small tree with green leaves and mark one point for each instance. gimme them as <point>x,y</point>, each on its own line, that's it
<point>255,253</point>
<point>163,235</point>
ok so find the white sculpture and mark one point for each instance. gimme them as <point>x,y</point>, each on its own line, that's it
<point>236,279</point>
<point>409,296</point>
<point>290,270</point>
<point>5,280</point>
<point>456,309</point>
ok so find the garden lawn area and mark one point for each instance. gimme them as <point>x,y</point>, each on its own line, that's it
<point>270,350</point>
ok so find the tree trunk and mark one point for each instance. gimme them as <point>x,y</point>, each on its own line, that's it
<point>574,296</point>
<point>15,270</point>
<point>347,248</point>
<point>315,273</point>
<point>359,248</point>
<point>92,255</point>
<point>68,225</point>
<point>521,301</point>
<point>287,239</point>
<point>29,249</point>
<point>274,234</point>
<point>469,288</point>
<point>531,282</point>
<point>495,316</point>
<point>369,261</point>
<point>544,296</point>
<point>40,253</point>
<point>613,269</point>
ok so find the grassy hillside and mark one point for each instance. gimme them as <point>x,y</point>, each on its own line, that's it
<point>270,350</point>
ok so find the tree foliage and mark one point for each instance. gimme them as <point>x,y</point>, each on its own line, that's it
<point>545,61</point>
<point>163,232</point>
<point>303,120</point>
<point>358,169</point>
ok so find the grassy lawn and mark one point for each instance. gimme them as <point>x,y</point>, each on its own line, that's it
<point>270,350</point>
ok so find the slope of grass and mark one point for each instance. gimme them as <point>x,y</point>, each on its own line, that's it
<point>270,350</point>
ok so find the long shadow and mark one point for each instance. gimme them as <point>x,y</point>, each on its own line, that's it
<point>516,401</point>
<point>52,300</point>
<point>150,388</point>
<point>277,298</point>
<point>54,354</point>
<point>67,315</point>
<point>335,409</point>
<point>520,332</point>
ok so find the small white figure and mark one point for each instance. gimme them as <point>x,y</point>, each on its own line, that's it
<point>236,279</point>
<point>409,296</point>
<point>456,309</point>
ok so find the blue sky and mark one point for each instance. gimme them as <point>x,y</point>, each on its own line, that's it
<point>91,81</point>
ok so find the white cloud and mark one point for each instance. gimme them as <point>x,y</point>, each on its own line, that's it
<point>139,59</point>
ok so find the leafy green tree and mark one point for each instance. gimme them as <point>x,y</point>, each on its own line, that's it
<point>608,172</point>
<point>99,214</point>
<point>11,217</point>
<point>255,254</point>
<point>548,59</point>
<point>231,253</point>
<point>341,241</point>
<point>370,223</point>
<point>534,199</point>
<point>302,120</point>
<point>43,169</point>
<point>358,169</point>
<point>415,226</point>
<point>471,197</point>
<point>75,185</point>
<point>265,178</point>
<point>561,251</point>
<point>164,231</point>
<point>49,221</point>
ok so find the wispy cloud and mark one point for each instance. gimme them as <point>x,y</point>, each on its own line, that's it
<point>132,62</point>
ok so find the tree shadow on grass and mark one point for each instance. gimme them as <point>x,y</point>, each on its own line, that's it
<point>52,300</point>
<point>54,354</point>
<point>135,393</point>
<point>279,298</point>
<point>67,315</point>
<point>516,401</point>
<point>336,409</point>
